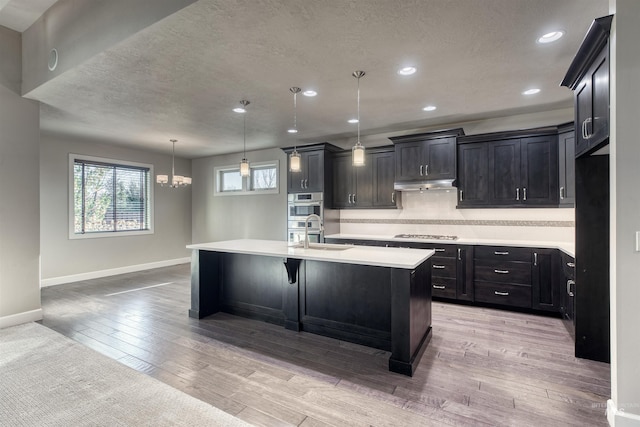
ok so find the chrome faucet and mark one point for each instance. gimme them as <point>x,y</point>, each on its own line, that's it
<point>306,229</point>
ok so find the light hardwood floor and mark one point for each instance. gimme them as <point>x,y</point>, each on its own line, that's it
<point>483,366</point>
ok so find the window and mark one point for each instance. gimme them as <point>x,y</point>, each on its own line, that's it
<point>109,197</point>
<point>262,180</point>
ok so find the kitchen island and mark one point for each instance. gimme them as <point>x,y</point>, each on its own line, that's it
<point>378,297</point>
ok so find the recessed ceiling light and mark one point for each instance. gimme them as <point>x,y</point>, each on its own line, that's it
<point>239,110</point>
<point>309,93</point>
<point>352,120</point>
<point>551,37</point>
<point>531,91</point>
<point>429,108</point>
<point>292,130</point>
<point>407,71</point>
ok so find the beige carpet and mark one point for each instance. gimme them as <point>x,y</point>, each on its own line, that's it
<point>47,379</point>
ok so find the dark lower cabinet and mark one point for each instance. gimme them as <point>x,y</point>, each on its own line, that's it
<point>568,291</point>
<point>464,274</point>
<point>507,294</point>
<point>502,276</point>
<point>545,276</point>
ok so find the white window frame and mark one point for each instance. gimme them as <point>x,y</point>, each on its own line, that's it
<point>96,235</point>
<point>246,181</point>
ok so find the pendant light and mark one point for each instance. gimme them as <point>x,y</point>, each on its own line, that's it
<point>244,163</point>
<point>176,180</point>
<point>357,152</point>
<point>294,157</point>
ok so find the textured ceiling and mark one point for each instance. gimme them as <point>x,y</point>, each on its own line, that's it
<point>182,76</point>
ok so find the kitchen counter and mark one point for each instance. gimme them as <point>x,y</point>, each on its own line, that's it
<point>374,296</point>
<point>363,255</point>
<point>566,247</point>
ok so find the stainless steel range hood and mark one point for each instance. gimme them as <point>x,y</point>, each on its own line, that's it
<point>438,184</point>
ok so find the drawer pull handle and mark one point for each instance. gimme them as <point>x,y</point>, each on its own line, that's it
<point>500,253</point>
<point>501,271</point>
<point>439,250</point>
<point>571,264</point>
<point>439,267</point>
<point>459,254</point>
<point>503,294</point>
<point>439,287</point>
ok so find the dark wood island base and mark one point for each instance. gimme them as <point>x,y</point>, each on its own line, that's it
<point>381,307</point>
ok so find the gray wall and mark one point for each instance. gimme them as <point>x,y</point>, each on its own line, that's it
<point>62,256</point>
<point>235,217</point>
<point>624,406</point>
<point>19,192</point>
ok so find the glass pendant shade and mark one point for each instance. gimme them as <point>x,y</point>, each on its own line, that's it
<point>162,179</point>
<point>244,168</point>
<point>357,154</point>
<point>294,161</point>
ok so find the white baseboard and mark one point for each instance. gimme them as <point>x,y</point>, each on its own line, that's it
<point>111,272</point>
<point>20,318</point>
<point>617,417</point>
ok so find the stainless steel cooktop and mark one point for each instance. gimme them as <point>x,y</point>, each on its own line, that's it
<point>426,236</point>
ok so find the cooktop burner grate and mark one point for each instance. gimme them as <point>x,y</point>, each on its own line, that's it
<point>426,236</point>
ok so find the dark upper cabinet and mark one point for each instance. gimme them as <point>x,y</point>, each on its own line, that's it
<point>352,186</point>
<point>316,169</point>
<point>504,172</point>
<point>539,170</point>
<point>567,167</point>
<point>365,186</point>
<point>509,169</point>
<point>588,77</point>
<point>383,167</point>
<point>426,156</point>
<point>473,174</point>
<point>592,104</point>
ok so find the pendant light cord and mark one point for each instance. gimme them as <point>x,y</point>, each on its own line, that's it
<point>244,136</point>
<point>173,160</point>
<point>358,110</point>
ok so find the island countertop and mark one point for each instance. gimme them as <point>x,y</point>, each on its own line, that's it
<point>363,255</point>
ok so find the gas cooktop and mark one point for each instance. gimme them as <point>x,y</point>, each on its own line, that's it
<point>426,236</point>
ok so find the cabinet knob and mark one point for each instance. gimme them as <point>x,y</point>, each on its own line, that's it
<point>518,193</point>
<point>504,294</point>
<point>501,253</point>
<point>535,258</point>
<point>393,197</point>
<point>561,193</point>
<point>501,271</point>
<point>524,193</point>
<point>461,195</point>
<point>426,170</point>
<point>571,264</point>
<point>421,170</point>
<point>439,286</point>
<point>569,291</point>
<point>438,267</point>
<point>302,183</point>
<point>459,254</point>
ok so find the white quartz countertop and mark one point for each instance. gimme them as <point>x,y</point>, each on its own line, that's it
<point>364,255</point>
<point>566,247</point>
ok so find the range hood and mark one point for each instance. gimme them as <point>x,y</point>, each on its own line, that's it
<point>436,184</point>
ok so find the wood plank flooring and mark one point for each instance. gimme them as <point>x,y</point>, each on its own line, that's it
<point>482,367</point>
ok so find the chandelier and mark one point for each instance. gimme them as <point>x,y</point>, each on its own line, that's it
<point>176,180</point>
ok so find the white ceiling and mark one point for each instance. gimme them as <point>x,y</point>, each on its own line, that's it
<point>181,76</point>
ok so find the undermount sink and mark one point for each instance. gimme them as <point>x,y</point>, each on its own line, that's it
<point>324,246</point>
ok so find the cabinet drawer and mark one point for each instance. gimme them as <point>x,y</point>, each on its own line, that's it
<point>503,294</point>
<point>503,252</point>
<point>443,287</point>
<point>506,272</point>
<point>443,267</point>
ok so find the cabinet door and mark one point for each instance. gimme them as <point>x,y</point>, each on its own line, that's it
<point>539,170</point>
<point>343,183</point>
<point>599,130</point>
<point>567,168</point>
<point>545,293</point>
<point>314,173</point>
<point>295,180</point>
<point>363,189</point>
<point>383,176</point>
<point>439,159</point>
<point>409,161</point>
<point>473,173</point>
<point>583,95</point>
<point>504,172</point>
<point>464,275</point>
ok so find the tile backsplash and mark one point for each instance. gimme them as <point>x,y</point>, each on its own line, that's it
<point>434,212</point>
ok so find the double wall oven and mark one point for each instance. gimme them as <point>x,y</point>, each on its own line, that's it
<point>299,207</point>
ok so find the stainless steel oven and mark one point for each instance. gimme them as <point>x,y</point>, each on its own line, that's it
<point>299,207</point>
